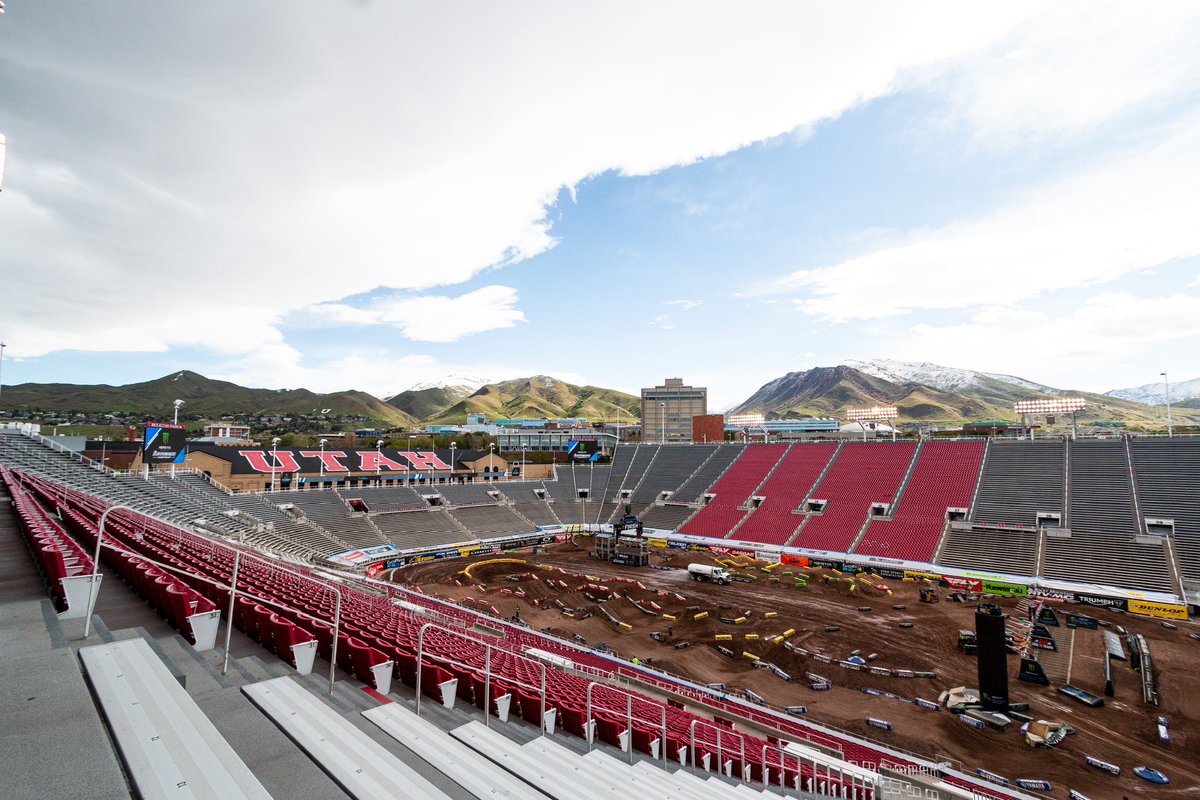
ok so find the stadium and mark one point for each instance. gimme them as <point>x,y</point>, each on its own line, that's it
<point>325,638</point>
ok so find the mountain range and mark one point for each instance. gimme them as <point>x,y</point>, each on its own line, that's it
<point>924,392</point>
<point>921,391</point>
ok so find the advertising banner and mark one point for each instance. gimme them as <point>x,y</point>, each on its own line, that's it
<point>795,561</point>
<point>824,562</point>
<point>655,542</point>
<point>1004,587</point>
<point>363,555</point>
<point>1157,610</point>
<point>914,575</point>
<point>375,569</point>
<point>969,584</point>
<point>1102,602</point>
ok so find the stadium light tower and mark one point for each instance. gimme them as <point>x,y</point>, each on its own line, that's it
<point>1050,406</point>
<point>1166,388</point>
<point>662,421</point>
<point>453,447</point>
<point>2,346</point>
<point>873,414</point>
<point>274,461</point>
<point>177,404</point>
<point>378,461</point>
<point>322,443</point>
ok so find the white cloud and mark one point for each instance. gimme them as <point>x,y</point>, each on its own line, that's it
<point>686,305</point>
<point>321,152</point>
<point>663,322</point>
<point>1074,68</point>
<point>1132,212</point>
<point>1106,334</point>
<point>434,318</point>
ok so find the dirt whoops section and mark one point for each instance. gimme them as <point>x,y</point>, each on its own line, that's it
<point>564,592</point>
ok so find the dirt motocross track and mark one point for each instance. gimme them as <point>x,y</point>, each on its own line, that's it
<point>1121,732</point>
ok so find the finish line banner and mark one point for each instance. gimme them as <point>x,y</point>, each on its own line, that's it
<point>164,443</point>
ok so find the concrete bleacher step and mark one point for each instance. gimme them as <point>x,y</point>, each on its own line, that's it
<point>564,781</point>
<point>169,746</point>
<point>356,762</point>
<point>452,758</point>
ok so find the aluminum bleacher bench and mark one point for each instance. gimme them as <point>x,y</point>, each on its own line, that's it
<point>694,784</point>
<point>452,758</point>
<point>562,782</point>
<point>655,780</point>
<point>169,747</point>
<point>354,760</point>
<point>604,771</point>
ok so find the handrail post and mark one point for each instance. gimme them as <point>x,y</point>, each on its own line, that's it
<point>629,724</point>
<point>487,685</point>
<point>692,729</point>
<point>543,698</point>
<point>337,624</point>
<point>237,560</point>
<point>92,590</point>
<point>588,717</point>
<point>420,653</point>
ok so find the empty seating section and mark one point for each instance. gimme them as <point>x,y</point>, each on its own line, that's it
<point>707,473</point>
<point>1104,547</point>
<point>528,504</point>
<point>382,499</point>
<point>378,639</point>
<point>672,466</point>
<point>722,514</point>
<point>1101,491</point>
<point>629,464</point>
<point>468,494</point>
<point>329,510</point>
<point>488,521</point>
<point>409,529</point>
<point>1009,550</point>
<point>862,474</point>
<point>571,480</point>
<point>944,477</point>
<point>1097,557</point>
<point>666,517</point>
<point>773,521</point>
<point>1019,481</point>
<point>1167,472</point>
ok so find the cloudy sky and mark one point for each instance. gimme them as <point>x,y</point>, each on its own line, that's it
<point>373,194</point>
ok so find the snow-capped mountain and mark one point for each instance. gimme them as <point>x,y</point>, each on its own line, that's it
<point>468,383</point>
<point>1154,394</point>
<point>947,379</point>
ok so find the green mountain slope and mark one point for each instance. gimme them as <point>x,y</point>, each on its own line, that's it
<point>202,396</point>
<point>541,396</point>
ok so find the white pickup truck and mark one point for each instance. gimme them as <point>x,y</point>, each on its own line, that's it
<point>704,572</point>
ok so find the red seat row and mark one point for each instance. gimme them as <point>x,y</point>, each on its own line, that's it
<point>58,556</point>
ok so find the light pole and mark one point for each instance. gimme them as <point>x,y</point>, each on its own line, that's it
<point>2,346</point>
<point>1167,388</point>
<point>662,420</point>
<point>322,443</point>
<point>177,404</point>
<point>453,447</point>
<point>378,461</point>
<point>274,461</point>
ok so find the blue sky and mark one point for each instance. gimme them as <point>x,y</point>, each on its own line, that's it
<point>372,195</point>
